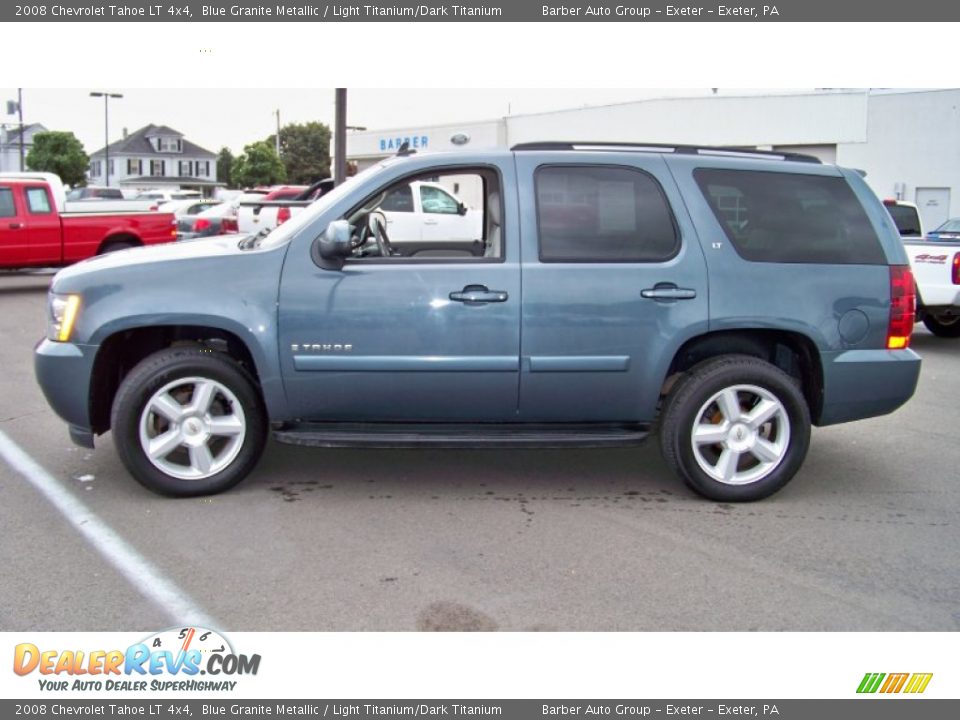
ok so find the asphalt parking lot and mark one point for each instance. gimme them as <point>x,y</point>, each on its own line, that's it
<point>864,538</point>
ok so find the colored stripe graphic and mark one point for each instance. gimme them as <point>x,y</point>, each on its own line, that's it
<point>918,683</point>
<point>894,682</point>
<point>870,682</point>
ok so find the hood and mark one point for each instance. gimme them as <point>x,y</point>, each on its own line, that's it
<point>220,246</point>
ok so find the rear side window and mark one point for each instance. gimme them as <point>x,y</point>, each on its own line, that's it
<point>38,201</point>
<point>603,214</point>
<point>790,218</point>
<point>398,200</point>
<point>6,203</point>
<point>905,218</point>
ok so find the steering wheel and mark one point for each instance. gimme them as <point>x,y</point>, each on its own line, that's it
<point>379,222</point>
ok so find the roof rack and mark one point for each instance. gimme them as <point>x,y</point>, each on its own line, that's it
<point>667,148</point>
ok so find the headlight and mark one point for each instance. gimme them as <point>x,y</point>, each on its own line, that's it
<point>62,315</point>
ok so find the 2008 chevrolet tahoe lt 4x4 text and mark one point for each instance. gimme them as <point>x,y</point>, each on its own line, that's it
<point>731,298</point>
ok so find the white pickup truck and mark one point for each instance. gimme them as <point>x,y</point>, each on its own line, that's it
<point>419,212</point>
<point>936,271</point>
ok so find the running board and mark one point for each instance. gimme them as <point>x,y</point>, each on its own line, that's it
<point>461,435</point>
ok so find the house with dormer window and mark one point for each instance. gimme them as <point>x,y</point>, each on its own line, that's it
<point>155,156</point>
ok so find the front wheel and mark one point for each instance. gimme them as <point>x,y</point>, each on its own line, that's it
<point>943,325</point>
<point>188,421</point>
<point>735,428</point>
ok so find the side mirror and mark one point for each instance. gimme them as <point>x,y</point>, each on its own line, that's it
<point>333,246</point>
<point>461,209</point>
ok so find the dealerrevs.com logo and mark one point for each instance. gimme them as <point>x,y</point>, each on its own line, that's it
<point>169,660</point>
<point>912,683</point>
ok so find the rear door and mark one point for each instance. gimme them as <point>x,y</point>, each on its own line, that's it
<point>614,281</point>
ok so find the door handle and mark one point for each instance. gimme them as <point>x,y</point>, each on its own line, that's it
<point>478,295</point>
<point>668,291</point>
<point>431,222</point>
<point>15,226</point>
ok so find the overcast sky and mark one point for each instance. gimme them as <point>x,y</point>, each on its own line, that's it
<point>236,117</point>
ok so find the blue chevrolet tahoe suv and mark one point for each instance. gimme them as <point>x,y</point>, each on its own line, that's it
<point>725,299</point>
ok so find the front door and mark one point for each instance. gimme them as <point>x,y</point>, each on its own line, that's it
<point>14,237</point>
<point>613,275</point>
<point>434,338</point>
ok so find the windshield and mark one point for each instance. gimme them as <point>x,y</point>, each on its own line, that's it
<point>284,232</point>
<point>949,226</point>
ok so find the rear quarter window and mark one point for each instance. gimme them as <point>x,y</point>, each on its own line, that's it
<point>790,218</point>
<point>7,208</point>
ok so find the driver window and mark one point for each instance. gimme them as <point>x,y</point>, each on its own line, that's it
<point>390,225</point>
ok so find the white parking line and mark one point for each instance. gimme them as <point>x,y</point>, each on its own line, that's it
<point>145,577</point>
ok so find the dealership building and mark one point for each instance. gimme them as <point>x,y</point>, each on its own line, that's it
<point>907,141</point>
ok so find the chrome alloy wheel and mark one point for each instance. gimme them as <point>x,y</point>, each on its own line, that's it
<point>192,428</point>
<point>740,435</point>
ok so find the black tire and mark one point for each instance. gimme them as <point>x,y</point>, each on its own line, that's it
<point>686,406</point>
<point>115,245</point>
<point>238,453</point>
<point>943,326</point>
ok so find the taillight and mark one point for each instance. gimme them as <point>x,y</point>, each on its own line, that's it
<point>229,225</point>
<point>903,307</point>
<point>201,224</point>
<point>283,214</point>
<point>956,268</point>
<point>173,229</point>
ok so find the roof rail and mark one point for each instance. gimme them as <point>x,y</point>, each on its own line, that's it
<point>668,148</point>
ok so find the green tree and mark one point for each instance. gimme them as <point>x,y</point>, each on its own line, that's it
<point>60,153</point>
<point>225,162</point>
<point>305,151</point>
<point>258,165</point>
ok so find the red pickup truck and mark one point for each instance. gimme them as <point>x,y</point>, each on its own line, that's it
<point>38,230</point>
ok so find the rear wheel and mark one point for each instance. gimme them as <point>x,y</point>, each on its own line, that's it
<point>735,428</point>
<point>943,325</point>
<point>115,245</point>
<point>188,421</point>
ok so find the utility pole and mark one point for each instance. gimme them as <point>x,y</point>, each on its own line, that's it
<point>106,130</point>
<point>20,110</point>
<point>340,137</point>
<point>277,113</point>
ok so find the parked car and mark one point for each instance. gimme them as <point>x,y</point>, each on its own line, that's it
<point>732,333</point>
<point>949,231</point>
<point>94,192</point>
<point>194,206</point>
<point>37,231</point>
<point>262,214</point>
<point>221,219</point>
<point>168,195</point>
<point>284,192</point>
<point>936,269</point>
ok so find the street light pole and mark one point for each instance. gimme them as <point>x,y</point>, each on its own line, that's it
<point>340,137</point>
<point>106,130</point>
<point>20,110</point>
<point>277,113</point>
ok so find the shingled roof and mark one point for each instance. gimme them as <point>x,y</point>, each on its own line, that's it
<point>136,143</point>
